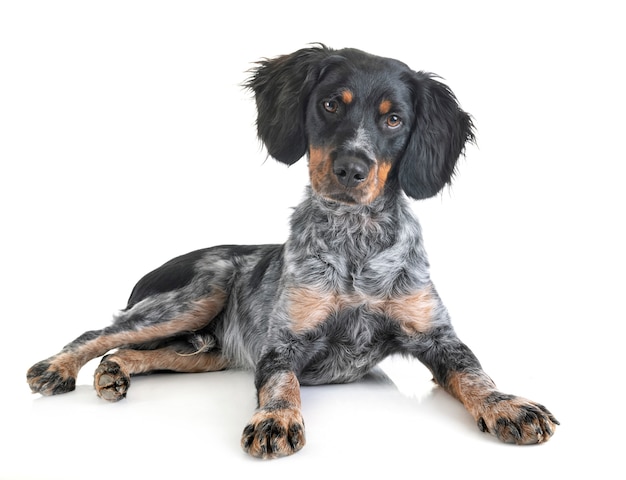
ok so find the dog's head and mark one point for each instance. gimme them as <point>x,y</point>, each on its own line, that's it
<point>366,122</point>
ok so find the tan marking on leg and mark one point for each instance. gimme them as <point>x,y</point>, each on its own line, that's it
<point>510,418</point>
<point>470,389</point>
<point>48,376</point>
<point>277,427</point>
<point>274,433</point>
<point>112,377</point>
<point>198,316</point>
<point>144,361</point>
<point>66,364</point>
<point>58,373</point>
<point>54,375</point>
<point>283,387</point>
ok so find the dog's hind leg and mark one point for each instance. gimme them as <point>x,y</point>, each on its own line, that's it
<point>156,317</point>
<point>112,377</point>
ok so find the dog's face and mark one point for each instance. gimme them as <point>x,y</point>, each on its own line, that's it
<point>369,124</point>
<point>358,122</point>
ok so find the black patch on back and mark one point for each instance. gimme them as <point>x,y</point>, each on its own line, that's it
<point>242,250</point>
<point>272,256</point>
<point>172,275</point>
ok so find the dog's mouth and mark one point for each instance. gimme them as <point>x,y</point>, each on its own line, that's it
<point>341,197</point>
<point>346,179</point>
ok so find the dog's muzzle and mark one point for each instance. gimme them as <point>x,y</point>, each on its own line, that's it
<point>351,171</point>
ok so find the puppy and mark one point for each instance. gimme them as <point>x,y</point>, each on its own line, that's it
<point>349,287</point>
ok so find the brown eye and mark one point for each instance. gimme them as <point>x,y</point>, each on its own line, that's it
<point>393,121</point>
<point>330,106</point>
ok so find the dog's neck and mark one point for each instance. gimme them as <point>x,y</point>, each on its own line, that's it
<point>356,240</point>
<point>318,218</point>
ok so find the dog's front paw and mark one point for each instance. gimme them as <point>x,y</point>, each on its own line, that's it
<point>516,420</point>
<point>274,433</point>
<point>110,381</point>
<point>52,376</point>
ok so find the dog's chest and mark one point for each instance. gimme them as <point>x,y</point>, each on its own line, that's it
<point>357,253</point>
<point>349,344</point>
<point>376,276</point>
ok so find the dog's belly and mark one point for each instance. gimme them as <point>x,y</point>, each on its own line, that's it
<point>348,346</point>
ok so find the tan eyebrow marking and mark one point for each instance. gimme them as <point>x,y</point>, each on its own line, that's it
<point>347,96</point>
<point>384,107</point>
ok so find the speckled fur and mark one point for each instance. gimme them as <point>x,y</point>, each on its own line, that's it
<point>350,286</point>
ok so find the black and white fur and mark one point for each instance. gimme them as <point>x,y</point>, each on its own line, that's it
<point>351,284</point>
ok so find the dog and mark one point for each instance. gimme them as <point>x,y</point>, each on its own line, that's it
<point>351,284</point>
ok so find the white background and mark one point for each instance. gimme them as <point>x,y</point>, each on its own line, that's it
<point>126,139</point>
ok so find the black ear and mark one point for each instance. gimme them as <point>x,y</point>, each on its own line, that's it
<point>281,87</point>
<point>439,137</point>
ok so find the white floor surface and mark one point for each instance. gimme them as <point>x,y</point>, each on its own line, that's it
<point>126,139</point>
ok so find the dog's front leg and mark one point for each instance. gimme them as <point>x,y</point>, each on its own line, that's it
<point>510,418</point>
<point>276,429</point>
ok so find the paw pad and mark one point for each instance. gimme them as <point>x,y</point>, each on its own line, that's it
<point>110,382</point>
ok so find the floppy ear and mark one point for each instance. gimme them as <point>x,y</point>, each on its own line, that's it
<point>438,139</point>
<point>281,87</point>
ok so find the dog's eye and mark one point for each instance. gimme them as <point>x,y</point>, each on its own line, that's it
<point>393,121</point>
<point>330,106</point>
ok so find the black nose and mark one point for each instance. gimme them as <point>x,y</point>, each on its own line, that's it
<point>350,171</point>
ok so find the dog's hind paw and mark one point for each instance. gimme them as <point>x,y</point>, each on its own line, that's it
<point>517,420</point>
<point>52,376</point>
<point>110,381</point>
<point>274,433</point>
